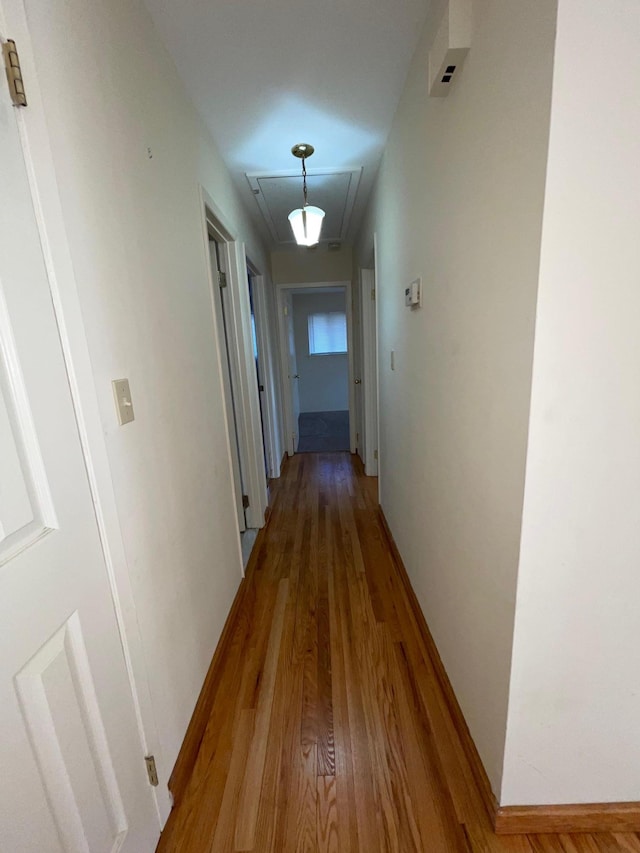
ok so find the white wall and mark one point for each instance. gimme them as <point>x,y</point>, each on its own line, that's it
<point>459,202</point>
<point>130,152</point>
<point>574,711</point>
<point>298,265</point>
<point>324,379</point>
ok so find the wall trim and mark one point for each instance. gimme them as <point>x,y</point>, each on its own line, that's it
<point>186,760</point>
<point>581,817</point>
<point>453,708</point>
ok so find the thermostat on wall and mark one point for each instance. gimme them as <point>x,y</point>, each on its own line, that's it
<point>413,294</point>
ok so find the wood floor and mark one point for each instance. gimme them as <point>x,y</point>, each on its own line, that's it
<point>328,730</point>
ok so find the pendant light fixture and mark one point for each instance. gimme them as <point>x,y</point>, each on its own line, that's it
<point>306,221</point>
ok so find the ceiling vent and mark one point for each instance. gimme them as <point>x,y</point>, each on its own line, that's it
<point>450,47</point>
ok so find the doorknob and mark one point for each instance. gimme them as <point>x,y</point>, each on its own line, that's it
<point>296,376</point>
<point>357,381</point>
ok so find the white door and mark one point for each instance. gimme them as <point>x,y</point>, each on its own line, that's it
<point>358,372</point>
<point>72,774</point>
<point>369,370</point>
<point>294,438</point>
<point>221,314</point>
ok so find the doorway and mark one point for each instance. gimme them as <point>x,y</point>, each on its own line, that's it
<point>369,371</point>
<point>260,369</point>
<point>223,316</point>
<point>317,366</point>
<point>232,315</point>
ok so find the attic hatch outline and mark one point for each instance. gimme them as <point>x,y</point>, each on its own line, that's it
<point>258,182</point>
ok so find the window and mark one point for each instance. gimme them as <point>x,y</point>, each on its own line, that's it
<point>327,333</point>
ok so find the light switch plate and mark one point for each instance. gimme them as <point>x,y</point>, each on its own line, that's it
<point>124,405</point>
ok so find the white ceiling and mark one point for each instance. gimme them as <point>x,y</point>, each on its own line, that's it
<point>267,74</point>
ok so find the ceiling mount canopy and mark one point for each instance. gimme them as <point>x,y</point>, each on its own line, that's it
<point>306,221</point>
<point>302,150</point>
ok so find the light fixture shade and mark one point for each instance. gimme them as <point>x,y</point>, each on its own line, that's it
<point>306,224</point>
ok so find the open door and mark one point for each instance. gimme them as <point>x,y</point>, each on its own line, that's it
<point>294,438</point>
<point>221,318</point>
<point>260,371</point>
<point>358,373</point>
<point>73,773</point>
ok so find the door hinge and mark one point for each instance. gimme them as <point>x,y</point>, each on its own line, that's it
<point>357,437</point>
<point>286,311</point>
<point>245,502</point>
<point>152,773</point>
<point>14,73</point>
<point>222,278</point>
<point>373,294</point>
<point>375,454</point>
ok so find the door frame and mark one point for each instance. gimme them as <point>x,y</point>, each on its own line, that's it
<point>41,172</point>
<point>290,389</point>
<point>265,357</point>
<point>228,372</point>
<point>368,322</point>
<point>376,374</point>
<point>240,358</point>
<point>287,406</point>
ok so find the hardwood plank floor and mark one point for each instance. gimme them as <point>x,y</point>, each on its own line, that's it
<point>329,732</point>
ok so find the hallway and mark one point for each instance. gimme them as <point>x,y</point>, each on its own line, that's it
<point>323,432</point>
<point>328,729</point>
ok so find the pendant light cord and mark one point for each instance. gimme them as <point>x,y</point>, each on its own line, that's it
<point>304,181</point>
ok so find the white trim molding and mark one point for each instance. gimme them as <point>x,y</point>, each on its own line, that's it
<point>241,361</point>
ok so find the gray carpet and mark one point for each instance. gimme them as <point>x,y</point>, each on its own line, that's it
<point>323,432</point>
